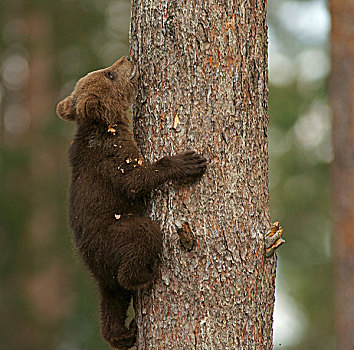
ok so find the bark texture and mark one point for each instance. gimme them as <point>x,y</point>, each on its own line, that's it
<point>342,100</point>
<point>203,86</point>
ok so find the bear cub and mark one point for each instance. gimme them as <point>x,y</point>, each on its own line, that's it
<point>110,183</point>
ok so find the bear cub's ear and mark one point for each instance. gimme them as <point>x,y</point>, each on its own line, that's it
<point>66,109</point>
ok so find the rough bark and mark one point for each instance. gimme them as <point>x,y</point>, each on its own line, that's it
<point>342,100</point>
<point>203,86</point>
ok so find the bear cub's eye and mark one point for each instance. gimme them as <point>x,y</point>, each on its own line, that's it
<point>110,75</point>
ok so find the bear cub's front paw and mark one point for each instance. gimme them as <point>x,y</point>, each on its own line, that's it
<point>190,164</point>
<point>273,239</point>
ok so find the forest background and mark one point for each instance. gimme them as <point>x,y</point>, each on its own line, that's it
<point>47,299</point>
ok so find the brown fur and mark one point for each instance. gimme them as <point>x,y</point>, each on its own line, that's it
<point>109,185</point>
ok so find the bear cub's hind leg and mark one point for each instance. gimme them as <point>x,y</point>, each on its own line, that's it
<point>140,249</point>
<point>136,243</point>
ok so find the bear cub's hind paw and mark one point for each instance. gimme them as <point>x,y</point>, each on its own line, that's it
<point>123,341</point>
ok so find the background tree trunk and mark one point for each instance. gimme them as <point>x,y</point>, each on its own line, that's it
<point>203,86</point>
<point>342,100</point>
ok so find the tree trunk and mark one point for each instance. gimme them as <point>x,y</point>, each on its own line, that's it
<point>203,86</point>
<point>342,99</point>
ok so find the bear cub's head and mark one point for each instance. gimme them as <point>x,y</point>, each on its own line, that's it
<point>102,96</point>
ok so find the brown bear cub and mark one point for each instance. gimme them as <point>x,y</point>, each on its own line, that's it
<point>109,186</point>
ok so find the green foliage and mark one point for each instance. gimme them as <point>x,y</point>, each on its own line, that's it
<point>300,154</point>
<point>49,300</point>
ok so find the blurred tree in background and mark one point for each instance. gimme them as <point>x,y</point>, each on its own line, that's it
<point>47,300</point>
<point>342,101</point>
